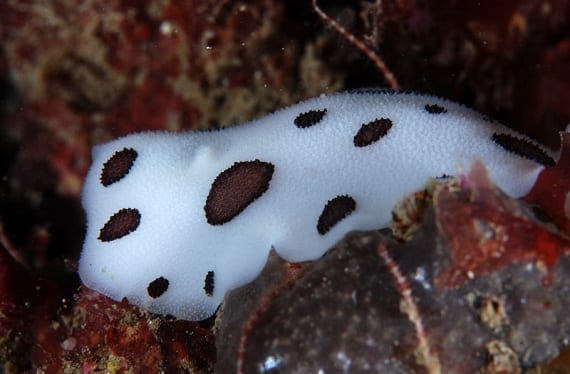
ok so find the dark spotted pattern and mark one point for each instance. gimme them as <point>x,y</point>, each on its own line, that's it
<point>523,148</point>
<point>209,283</point>
<point>235,188</point>
<point>120,224</point>
<point>435,109</point>
<point>157,287</point>
<point>444,176</point>
<point>334,211</point>
<point>372,131</point>
<point>118,166</point>
<point>310,118</point>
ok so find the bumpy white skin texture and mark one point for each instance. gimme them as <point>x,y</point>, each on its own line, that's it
<point>170,180</point>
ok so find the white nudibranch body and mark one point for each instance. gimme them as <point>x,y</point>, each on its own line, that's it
<point>177,219</point>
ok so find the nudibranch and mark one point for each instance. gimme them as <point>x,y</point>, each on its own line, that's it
<point>175,220</point>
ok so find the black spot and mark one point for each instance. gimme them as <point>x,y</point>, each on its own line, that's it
<point>209,283</point>
<point>157,287</point>
<point>372,131</point>
<point>235,188</point>
<point>524,148</point>
<point>118,166</point>
<point>444,176</point>
<point>310,118</point>
<point>435,109</point>
<point>120,224</point>
<point>335,211</point>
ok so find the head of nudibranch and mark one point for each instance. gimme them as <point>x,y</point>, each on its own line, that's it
<point>144,241</point>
